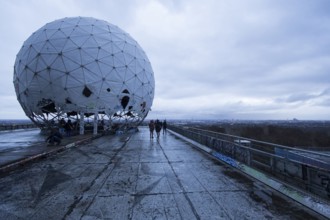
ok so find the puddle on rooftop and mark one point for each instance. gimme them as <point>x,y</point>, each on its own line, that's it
<point>270,199</point>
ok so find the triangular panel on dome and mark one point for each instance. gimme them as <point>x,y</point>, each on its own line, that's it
<point>77,74</point>
<point>105,65</point>
<point>25,54</point>
<point>119,60</point>
<point>58,44</point>
<point>37,64</point>
<point>59,65</point>
<point>74,56</point>
<point>94,68</point>
<point>58,35</point>
<point>99,30</point>
<point>39,36</point>
<point>87,56</point>
<point>72,82</point>
<point>130,49</point>
<point>32,54</point>
<point>49,59</point>
<point>134,84</point>
<point>104,52</point>
<point>68,23</point>
<point>90,43</point>
<point>118,44</point>
<point>69,45</point>
<point>49,48</point>
<point>28,76</point>
<point>57,77</point>
<point>79,40</point>
<point>91,77</point>
<point>120,71</point>
<point>129,58</point>
<point>69,64</point>
<point>103,43</point>
<point>86,28</point>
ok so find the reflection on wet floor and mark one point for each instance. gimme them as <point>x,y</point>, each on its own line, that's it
<point>20,138</point>
<point>269,198</point>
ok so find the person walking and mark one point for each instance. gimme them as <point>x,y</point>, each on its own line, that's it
<point>164,126</point>
<point>151,128</point>
<point>68,128</point>
<point>158,127</point>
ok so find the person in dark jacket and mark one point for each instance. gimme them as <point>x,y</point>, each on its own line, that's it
<point>151,128</point>
<point>158,127</point>
<point>164,126</point>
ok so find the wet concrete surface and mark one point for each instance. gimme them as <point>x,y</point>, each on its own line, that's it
<point>18,145</point>
<point>133,177</point>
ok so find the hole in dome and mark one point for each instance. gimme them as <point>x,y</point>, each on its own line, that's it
<point>68,101</point>
<point>108,89</point>
<point>125,91</point>
<point>130,107</point>
<point>47,106</point>
<point>87,92</point>
<point>124,101</point>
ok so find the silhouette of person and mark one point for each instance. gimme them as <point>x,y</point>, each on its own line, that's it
<point>158,127</point>
<point>151,128</point>
<point>164,126</point>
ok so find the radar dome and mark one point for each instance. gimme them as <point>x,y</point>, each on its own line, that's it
<point>83,66</point>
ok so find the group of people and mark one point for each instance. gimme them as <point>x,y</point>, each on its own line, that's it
<point>157,126</point>
<point>56,135</point>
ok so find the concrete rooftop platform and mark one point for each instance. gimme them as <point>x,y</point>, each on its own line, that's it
<point>135,177</point>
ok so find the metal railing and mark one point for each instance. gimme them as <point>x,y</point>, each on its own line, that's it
<point>4,127</point>
<point>307,170</point>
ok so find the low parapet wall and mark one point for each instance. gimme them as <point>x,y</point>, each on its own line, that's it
<point>307,173</point>
<point>4,127</point>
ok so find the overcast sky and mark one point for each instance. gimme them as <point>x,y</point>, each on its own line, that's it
<point>212,59</point>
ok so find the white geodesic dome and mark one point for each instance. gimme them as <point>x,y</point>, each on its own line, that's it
<point>83,65</point>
